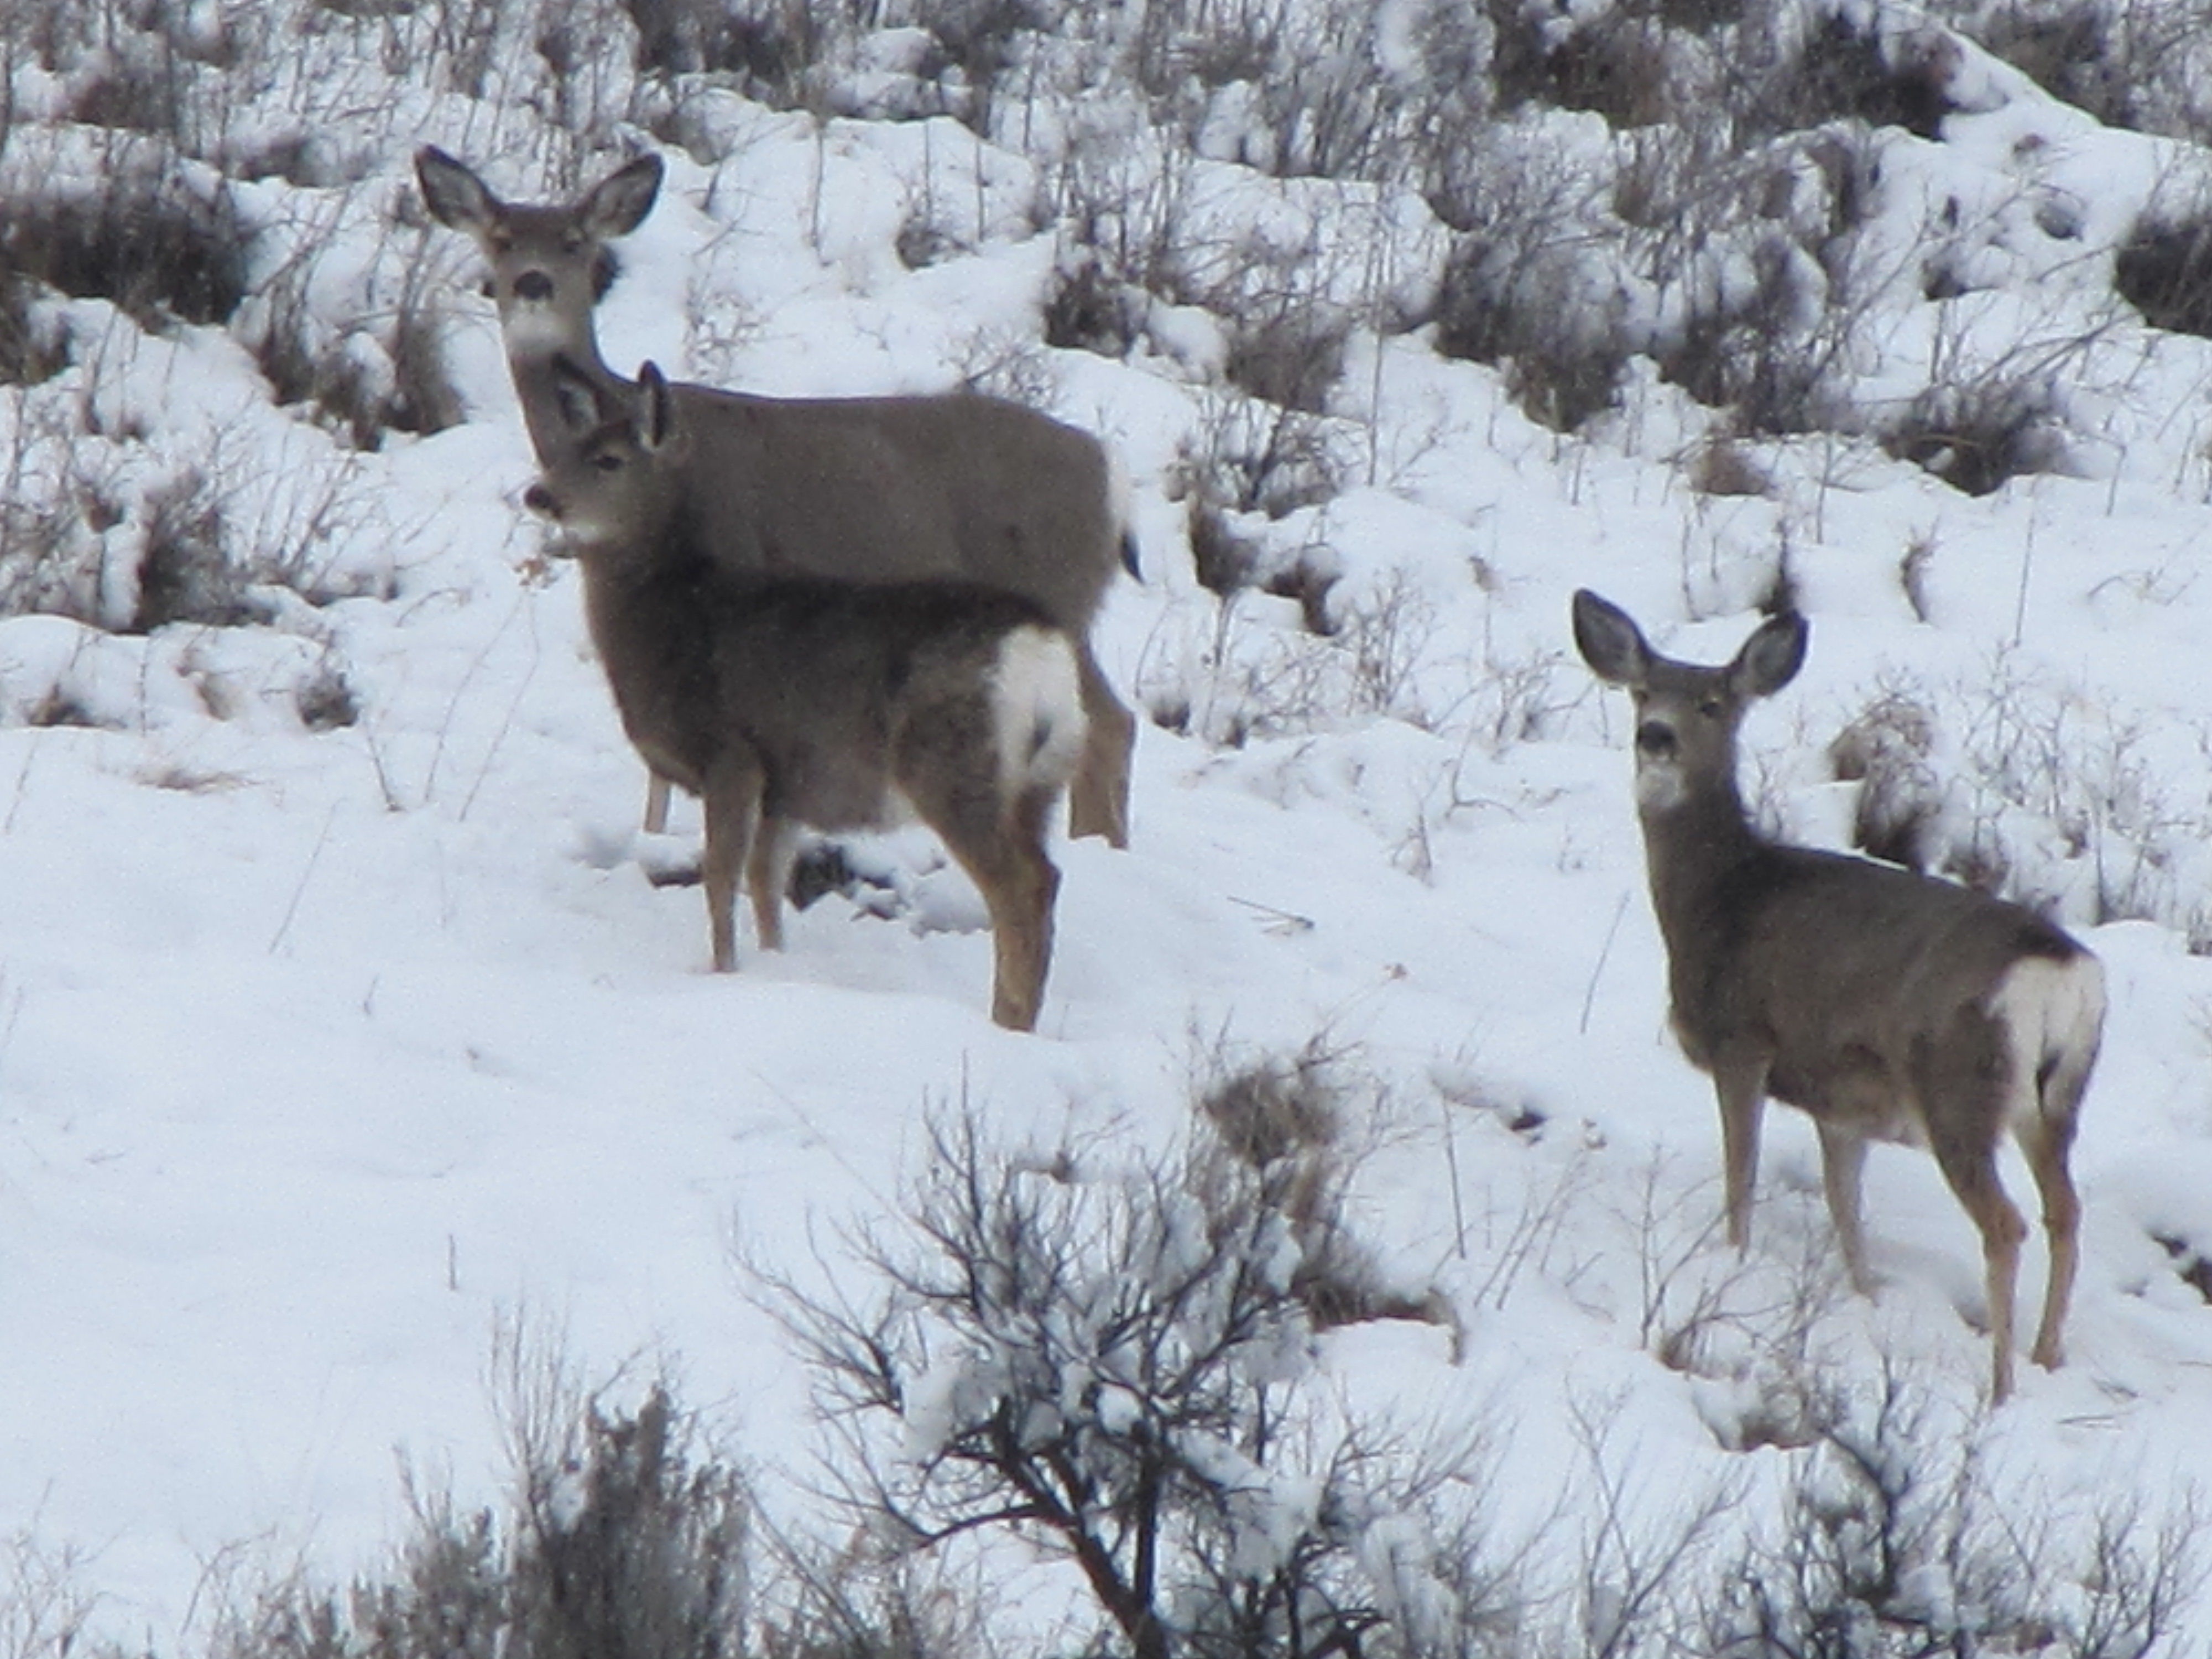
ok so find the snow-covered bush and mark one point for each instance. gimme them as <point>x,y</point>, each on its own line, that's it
<point>1114,1360</point>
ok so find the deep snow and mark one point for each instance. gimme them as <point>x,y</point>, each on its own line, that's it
<point>324,1055</point>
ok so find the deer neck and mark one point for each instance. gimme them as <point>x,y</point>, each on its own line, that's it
<point>1691,847</point>
<point>530,359</point>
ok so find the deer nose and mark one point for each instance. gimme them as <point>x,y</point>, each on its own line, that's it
<point>534,286</point>
<point>538,498</point>
<point>1655,740</point>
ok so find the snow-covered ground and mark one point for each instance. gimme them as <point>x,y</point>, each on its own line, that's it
<point>325,1055</point>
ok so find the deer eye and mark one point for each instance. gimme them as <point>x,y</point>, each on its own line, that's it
<point>1711,707</point>
<point>607,463</point>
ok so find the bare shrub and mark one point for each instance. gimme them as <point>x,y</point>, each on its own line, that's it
<point>2164,269</point>
<point>44,1605</point>
<point>1510,301</point>
<point>381,370</point>
<point>325,700</point>
<point>1224,559</point>
<point>30,350</point>
<point>1888,751</point>
<point>1844,66</point>
<point>156,239</point>
<point>1107,1363</point>
<point>1721,467</point>
<point>1249,456</point>
<point>1896,1545</point>
<point>185,573</point>
<point>1979,433</point>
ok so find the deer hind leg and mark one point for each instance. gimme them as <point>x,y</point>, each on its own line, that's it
<point>1007,862</point>
<point>730,795</point>
<point>1098,799</point>
<point>1740,1081</point>
<point>1973,1177</point>
<point>2046,1143</point>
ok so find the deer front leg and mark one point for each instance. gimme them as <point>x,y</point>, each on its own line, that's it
<point>656,803</point>
<point>731,797</point>
<point>1843,1162</point>
<point>1739,1082</point>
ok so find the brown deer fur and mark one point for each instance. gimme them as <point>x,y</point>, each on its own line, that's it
<point>1886,1004</point>
<point>788,699</point>
<point>959,487</point>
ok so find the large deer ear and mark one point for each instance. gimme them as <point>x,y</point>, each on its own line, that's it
<point>656,410</point>
<point>577,395</point>
<point>1610,641</point>
<point>618,204</point>
<point>1771,658</point>
<point>456,197</point>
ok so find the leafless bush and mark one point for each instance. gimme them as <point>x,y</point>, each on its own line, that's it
<point>31,351</point>
<point>2164,269</point>
<point>380,370</point>
<point>1250,456</point>
<point>1888,751</point>
<point>44,1605</point>
<point>1107,1363</point>
<point>1896,1547</point>
<point>2140,66</point>
<point>185,573</point>
<point>620,1538</point>
<point>1846,66</point>
<point>157,239</point>
<point>1514,299</point>
<point>1979,433</point>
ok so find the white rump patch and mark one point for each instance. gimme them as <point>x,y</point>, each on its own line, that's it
<point>1036,708</point>
<point>2054,1012</point>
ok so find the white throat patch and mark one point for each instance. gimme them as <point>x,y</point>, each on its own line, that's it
<point>1659,787</point>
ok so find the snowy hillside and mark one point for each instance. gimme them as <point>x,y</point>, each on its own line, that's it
<point>349,1048</point>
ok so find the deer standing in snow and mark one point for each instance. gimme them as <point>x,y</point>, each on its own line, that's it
<point>1886,1004</point>
<point>959,487</point>
<point>788,699</point>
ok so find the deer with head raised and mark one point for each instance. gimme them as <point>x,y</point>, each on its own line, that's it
<point>786,700</point>
<point>959,487</point>
<point>1884,1004</point>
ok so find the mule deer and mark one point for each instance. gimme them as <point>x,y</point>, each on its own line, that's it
<point>785,699</point>
<point>959,487</point>
<point>1886,1004</point>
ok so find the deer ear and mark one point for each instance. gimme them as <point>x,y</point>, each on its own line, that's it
<point>1611,643</point>
<point>618,204</point>
<point>656,411</point>
<point>1771,658</point>
<point>577,394</point>
<point>456,197</point>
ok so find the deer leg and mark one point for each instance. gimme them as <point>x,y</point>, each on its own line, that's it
<point>1973,1177</point>
<point>1740,1081</point>
<point>656,803</point>
<point>1843,1162</point>
<point>1098,798</point>
<point>766,872</point>
<point>1018,883</point>
<point>2046,1145</point>
<point>730,795</point>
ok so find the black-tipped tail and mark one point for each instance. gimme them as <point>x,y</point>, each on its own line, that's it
<point>1129,555</point>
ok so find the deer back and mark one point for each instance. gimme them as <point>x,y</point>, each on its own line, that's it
<point>958,487</point>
